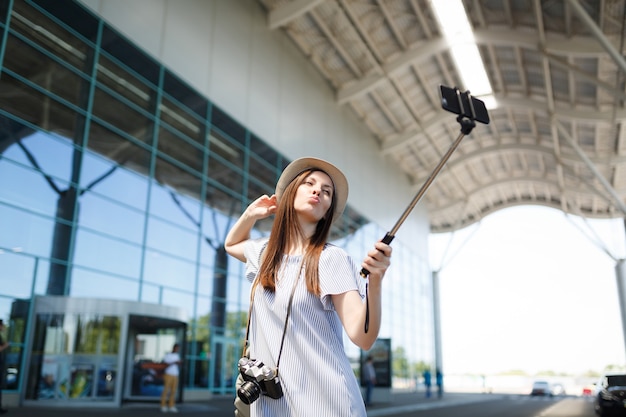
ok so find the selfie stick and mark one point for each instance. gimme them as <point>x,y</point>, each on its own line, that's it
<point>467,121</point>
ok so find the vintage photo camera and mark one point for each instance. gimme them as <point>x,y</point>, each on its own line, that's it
<point>258,379</point>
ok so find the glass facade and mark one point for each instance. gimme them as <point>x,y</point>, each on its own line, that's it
<point>120,181</point>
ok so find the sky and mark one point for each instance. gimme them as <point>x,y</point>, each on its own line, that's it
<point>529,288</point>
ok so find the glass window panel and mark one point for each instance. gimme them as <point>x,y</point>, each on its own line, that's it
<point>197,371</point>
<point>52,153</point>
<point>263,174</point>
<point>42,275</point>
<point>53,338</point>
<point>223,174</point>
<point>182,149</point>
<point>33,106</point>
<point>137,61</point>
<point>109,109</point>
<point>53,37</point>
<point>129,154</point>
<point>224,148</point>
<point>19,270</point>
<point>4,11</point>
<point>25,232</point>
<point>238,287</point>
<point>205,281</point>
<point>5,307</point>
<point>13,312</point>
<point>178,209</point>
<point>168,272</point>
<point>108,217</point>
<point>87,334</point>
<point>123,185</point>
<point>261,150</point>
<point>214,229</point>
<point>228,126</point>
<point>185,95</point>
<point>225,203</point>
<point>182,300</point>
<point>110,330</point>
<point>198,340</point>
<point>117,80</point>
<point>97,334</point>
<point>46,72</point>
<point>95,251</point>
<point>202,318</point>
<point>12,366</point>
<point>67,345</point>
<point>73,15</point>
<point>46,358</point>
<point>151,293</point>
<point>181,119</point>
<point>86,283</point>
<point>178,181</point>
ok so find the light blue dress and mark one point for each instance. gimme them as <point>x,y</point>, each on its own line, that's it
<point>314,371</point>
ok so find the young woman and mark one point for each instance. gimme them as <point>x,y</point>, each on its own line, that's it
<point>328,294</point>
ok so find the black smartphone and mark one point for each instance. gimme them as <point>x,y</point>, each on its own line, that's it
<point>456,101</point>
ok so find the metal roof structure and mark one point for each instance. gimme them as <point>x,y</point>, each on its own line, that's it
<point>558,72</point>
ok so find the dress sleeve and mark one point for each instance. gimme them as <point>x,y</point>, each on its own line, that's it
<point>252,251</point>
<point>338,274</point>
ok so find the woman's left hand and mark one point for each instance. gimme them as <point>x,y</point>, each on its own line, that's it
<point>377,260</point>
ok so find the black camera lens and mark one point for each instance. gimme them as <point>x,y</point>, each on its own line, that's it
<point>249,392</point>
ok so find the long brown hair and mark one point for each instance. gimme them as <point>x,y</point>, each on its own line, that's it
<point>285,229</point>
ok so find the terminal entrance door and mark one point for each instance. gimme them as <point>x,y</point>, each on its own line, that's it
<point>225,353</point>
<point>149,339</point>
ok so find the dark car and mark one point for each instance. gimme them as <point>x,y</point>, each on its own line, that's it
<point>541,388</point>
<point>611,395</point>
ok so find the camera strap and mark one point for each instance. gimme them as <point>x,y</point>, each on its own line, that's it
<point>293,290</point>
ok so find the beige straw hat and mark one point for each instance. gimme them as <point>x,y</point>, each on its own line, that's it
<point>304,164</point>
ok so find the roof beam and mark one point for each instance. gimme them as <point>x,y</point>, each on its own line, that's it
<point>609,188</point>
<point>597,32</point>
<point>392,144</point>
<point>284,14</point>
<point>591,78</point>
<point>577,46</point>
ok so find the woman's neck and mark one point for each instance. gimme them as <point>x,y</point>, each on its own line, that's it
<point>299,242</point>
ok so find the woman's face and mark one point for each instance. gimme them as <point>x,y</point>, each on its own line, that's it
<point>314,197</point>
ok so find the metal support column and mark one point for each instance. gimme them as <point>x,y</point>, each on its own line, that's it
<point>437,322</point>
<point>620,275</point>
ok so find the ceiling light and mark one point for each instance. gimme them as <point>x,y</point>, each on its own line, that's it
<point>458,32</point>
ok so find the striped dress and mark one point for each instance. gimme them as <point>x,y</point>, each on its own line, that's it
<point>315,373</point>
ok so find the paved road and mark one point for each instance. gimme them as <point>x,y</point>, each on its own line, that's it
<point>512,406</point>
<point>402,405</point>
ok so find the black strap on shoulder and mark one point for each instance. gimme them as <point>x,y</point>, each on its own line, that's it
<point>293,290</point>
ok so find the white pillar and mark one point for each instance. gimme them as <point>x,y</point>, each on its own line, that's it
<point>620,275</point>
<point>437,322</point>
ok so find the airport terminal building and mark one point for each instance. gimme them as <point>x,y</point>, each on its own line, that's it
<point>132,135</point>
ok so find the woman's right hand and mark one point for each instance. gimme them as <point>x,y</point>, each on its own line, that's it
<point>262,207</point>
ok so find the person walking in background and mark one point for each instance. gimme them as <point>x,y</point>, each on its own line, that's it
<point>427,381</point>
<point>3,347</point>
<point>170,380</point>
<point>296,270</point>
<point>439,381</point>
<point>369,373</point>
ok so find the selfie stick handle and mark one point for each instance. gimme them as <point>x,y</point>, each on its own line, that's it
<point>466,123</point>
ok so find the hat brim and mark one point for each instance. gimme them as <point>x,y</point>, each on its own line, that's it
<point>304,164</point>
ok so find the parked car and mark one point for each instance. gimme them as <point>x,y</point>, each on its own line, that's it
<point>541,388</point>
<point>557,389</point>
<point>588,390</point>
<point>610,396</point>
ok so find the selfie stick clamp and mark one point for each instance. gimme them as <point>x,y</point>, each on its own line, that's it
<point>466,119</point>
